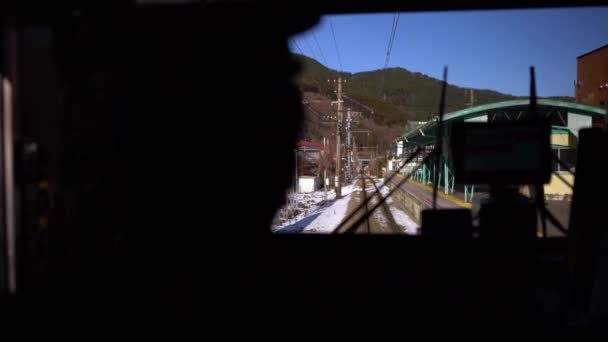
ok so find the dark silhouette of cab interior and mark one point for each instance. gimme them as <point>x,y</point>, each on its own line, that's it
<point>123,117</point>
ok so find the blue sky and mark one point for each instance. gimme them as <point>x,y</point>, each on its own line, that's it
<point>482,49</point>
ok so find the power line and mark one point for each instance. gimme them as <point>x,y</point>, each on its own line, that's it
<point>314,111</point>
<point>310,48</point>
<point>336,45</point>
<point>297,46</point>
<point>319,47</point>
<point>391,40</point>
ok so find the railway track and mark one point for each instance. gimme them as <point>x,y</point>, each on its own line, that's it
<point>365,196</point>
<point>391,226</point>
<point>381,221</point>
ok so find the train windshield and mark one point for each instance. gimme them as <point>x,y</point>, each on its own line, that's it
<point>371,158</point>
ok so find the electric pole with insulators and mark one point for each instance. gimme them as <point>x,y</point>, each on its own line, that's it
<point>338,144</point>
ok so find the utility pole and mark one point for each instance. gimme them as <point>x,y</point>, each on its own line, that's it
<point>325,169</point>
<point>349,143</point>
<point>338,146</point>
<point>349,139</point>
<point>295,199</point>
<point>471,97</point>
<point>472,100</point>
<point>356,156</point>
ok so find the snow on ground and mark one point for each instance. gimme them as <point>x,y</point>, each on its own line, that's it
<point>319,219</point>
<point>331,216</point>
<point>308,204</point>
<point>404,221</point>
<point>323,217</point>
<point>378,214</point>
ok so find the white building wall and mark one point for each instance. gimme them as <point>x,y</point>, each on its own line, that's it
<point>308,184</point>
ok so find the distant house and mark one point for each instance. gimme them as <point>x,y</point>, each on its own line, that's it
<point>310,148</point>
<point>310,154</point>
<point>309,157</point>
<point>393,164</point>
<point>308,184</point>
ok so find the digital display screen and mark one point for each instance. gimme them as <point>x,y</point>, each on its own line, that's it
<point>502,149</point>
<point>501,153</point>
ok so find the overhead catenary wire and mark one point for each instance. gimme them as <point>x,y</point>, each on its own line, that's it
<point>319,47</point>
<point>297,46</point>
<point>333,34</point>
<point>314,55</point>
<point>391,39</point>
<point>314,111</point>
<point>387,58</point>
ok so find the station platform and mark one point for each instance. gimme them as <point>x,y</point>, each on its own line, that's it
<point>424,195</point>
